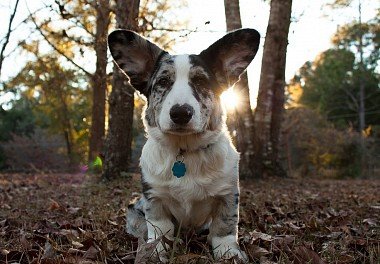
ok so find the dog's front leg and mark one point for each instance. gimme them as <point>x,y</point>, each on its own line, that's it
<point>159,224</point>
<point>224,228</point>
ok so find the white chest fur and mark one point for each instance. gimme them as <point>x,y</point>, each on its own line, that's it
<point>210,173</point>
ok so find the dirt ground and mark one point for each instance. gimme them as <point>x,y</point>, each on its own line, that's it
<point>76,218</point>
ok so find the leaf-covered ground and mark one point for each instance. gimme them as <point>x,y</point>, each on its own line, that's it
<point>74,218</point>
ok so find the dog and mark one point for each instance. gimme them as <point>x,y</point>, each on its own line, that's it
<point>189,165</point>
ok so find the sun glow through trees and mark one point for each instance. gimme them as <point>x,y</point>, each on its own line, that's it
<point>230,99</point>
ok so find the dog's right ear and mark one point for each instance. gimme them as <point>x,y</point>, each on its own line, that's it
<point>135,55</point>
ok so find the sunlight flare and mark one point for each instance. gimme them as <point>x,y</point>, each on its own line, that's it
<point>230,99</point>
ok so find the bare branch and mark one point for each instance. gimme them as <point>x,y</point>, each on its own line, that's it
<point>56,49</point>
<point>8,35</point>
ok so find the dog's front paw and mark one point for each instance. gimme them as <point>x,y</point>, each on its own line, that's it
<point>227,247</point>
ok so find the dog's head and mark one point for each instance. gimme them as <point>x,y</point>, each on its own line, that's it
<point>183,90</point>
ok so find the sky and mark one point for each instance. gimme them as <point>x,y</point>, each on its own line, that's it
<point>311,29</point>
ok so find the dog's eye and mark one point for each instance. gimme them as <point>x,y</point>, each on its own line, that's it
<point>163,81</point>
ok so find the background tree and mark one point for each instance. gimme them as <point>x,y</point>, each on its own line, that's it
<point>99,78</point>
<point>79,35</point>
<point>270,102</point>
<point>121,103</point>
<point>242,119</point>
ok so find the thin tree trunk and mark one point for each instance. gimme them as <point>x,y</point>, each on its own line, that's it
<point>361,83</point>
<point>362,96</point>
<point>270,103</point>
<point>243,121</point>
<point>121,104</point>
<point>68,130</point>
<point>99,80</point>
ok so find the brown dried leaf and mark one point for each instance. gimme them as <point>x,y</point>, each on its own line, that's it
<point>283,241</point>
<point>187,257</point>
<point>256,251</point>
<point>145,250</point>
<point>53,205</point>
<point>258,235</point>
<point>305,255</point>
<point>345,259</point>
<point>370,221</point>
<point>91,253</point>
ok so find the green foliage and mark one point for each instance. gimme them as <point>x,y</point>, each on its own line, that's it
<point>348,159</point>
<point>330,84</point>
<point>18,120</point>
<point>316,147</point>
<point>355,36</point>
<point>59,101</point>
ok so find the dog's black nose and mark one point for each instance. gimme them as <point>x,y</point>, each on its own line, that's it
<point>181,114</point>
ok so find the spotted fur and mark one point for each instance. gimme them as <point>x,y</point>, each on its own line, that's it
<point>208,195</point>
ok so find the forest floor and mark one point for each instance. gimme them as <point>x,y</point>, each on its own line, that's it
<point>75,218</point>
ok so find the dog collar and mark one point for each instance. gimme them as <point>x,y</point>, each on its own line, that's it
<point>179,167</point>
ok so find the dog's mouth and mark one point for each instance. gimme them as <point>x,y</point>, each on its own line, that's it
<point>181,131</point>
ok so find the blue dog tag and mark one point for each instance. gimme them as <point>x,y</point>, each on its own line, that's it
<point>179,169</point>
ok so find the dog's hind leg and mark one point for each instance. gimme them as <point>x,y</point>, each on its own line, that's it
<point>136,223</point>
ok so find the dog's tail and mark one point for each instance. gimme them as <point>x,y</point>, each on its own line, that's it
<point>136,223</point>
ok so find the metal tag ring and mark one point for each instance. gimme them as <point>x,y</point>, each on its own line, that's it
<point>179,158</point>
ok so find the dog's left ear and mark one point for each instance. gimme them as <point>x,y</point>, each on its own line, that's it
<point>135,55</point>
<point>230,56</point>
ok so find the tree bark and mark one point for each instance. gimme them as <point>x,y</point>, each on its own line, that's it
<point>99,79</point>
<point>270,103</point>
<point>121,104</point>
<point>243,118</point>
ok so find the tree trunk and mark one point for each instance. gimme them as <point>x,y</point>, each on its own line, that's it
<point>270,102</point>
<point>362,68</point>
<point>99,79</point>
<point>121,104</point>
<point>243,118</point>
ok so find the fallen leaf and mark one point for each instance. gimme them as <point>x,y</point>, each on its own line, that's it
<point>91,253</point>
<point>145,250</point>
<point>370,221</point>
<point>76,244</point>
<point>73,210</point>
<point>112,223</point>
<point>305,255</point>
<point>49,251</point>
<point>53,205</point>
<point>5,252</point>
<point>345,259</point>
<point>258,235</point>
<point>256,251</point>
